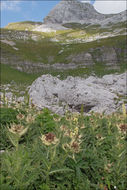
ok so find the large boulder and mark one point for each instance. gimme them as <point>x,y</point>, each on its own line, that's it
<point>95,94</point>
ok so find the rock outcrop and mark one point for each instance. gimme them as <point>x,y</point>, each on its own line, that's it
<point>95,94</point>
<point>74,11</point>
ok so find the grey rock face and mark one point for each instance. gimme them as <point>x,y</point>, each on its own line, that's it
<point>85,58</point>
<point>69,11</point>
<point>110,56</point>
<point>107,55</point>
<point>72,11</point>
<point>96,94</point>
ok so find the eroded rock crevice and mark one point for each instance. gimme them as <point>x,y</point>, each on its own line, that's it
<point>81,107</point>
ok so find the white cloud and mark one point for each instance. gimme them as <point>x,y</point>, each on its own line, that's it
<point>10,5</point>
<point>109,6</point>
<point>85,1</point>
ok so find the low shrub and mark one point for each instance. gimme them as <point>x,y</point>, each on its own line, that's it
<point>8,115</point>
<point>46,122</point>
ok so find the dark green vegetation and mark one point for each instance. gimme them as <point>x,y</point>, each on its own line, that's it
<point>9,74</point>
<point>96,29</point>
<point>30,53</point>
<point>21,79</point>
<point>44,151</point>
<point>7,116</point>
<point>36,48</point>
<point>45,51</point>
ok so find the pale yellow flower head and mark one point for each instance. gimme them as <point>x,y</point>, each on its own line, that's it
<point>30,118</point>
<point>75,119</point>
<point>57,119</point>
<point>76,130</point>
<point>73,146</point>
<point>122,127</point>
<point>18,129</point>
<point>124,110</point>
<point>20,116</point>
<point>63,127</point>
<point>100,137</point>
<point>74,133</point>
<point>49,139</point>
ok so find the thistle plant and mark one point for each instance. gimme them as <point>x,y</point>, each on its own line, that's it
<point>19,168</point>
<point>51,142</point>
<point>20,116</point>
<point>70,152</point>
<point>30,118</point>
<point>124,110</point>
<point>15,132</point>
<point>49,139</point>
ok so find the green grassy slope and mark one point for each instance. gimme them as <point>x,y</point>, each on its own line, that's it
<point>25,25</point>
<point>45,51</point>
<point>9,74</point>
<point>40,51</point>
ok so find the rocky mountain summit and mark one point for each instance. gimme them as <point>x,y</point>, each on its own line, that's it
<point>74,11</point>
<point>95,94</point>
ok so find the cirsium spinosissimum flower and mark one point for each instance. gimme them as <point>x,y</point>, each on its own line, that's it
<point>49,139</point>
<point>18,129</point>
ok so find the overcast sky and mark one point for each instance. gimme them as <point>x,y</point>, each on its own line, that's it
<point>36,10</point>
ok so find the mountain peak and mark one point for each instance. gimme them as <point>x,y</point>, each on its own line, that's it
<point>67,11</point>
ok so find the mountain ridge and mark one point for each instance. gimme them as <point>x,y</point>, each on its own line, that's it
<point>67,11</point>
